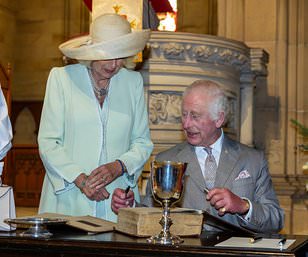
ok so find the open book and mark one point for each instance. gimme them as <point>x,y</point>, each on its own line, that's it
<point>217,222</point>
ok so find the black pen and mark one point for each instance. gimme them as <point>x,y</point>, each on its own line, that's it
<point>206,190</point>
<point>126,191</point>
<point>282,241</point>
<point>255,239</point>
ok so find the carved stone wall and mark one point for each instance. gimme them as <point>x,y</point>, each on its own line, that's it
<point>177,59</point>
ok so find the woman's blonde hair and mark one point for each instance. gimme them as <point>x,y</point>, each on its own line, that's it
<point>128,63</point>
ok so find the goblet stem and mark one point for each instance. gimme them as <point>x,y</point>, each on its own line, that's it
<point>166,221</point>
<point>165,237</point>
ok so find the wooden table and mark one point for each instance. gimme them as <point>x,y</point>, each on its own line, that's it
<point>72,243</point>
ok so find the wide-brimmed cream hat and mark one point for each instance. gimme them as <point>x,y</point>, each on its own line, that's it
<point>110,37</point>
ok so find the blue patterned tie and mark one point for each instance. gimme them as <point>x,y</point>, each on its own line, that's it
<point>210,168</point>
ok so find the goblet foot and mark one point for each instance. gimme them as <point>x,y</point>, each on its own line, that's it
<point>36,231</point>
<point>165,240</point>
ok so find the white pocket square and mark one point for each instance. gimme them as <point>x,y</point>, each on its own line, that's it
<point>243,174</point>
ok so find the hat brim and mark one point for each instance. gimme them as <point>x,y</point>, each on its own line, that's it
<point>120,47</point>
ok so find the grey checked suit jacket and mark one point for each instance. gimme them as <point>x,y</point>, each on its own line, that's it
<point>267,216</point>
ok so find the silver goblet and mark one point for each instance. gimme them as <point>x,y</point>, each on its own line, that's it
<point>167,179</point>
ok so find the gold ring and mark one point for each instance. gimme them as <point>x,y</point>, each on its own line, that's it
<point>223,209</point>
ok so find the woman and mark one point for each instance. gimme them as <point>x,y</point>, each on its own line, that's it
<point>94,136</point>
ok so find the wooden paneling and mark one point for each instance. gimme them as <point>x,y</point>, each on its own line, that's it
<point>26,170</point>
<point>27,175</point>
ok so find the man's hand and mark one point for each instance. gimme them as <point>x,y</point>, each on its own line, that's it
<point>225,201</point>
<point>121,200</point>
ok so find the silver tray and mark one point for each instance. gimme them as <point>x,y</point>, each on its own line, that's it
<point>37,225</point>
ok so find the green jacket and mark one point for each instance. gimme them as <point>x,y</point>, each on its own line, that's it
<point>70,137</point>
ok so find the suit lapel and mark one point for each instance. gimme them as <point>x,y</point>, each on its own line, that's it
<point>229,158</point>
<point>187,154</point>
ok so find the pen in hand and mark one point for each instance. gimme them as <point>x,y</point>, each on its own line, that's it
<point>126,191</point>
<point>282,242</point>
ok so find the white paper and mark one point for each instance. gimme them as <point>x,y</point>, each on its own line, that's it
<point>244,242</point>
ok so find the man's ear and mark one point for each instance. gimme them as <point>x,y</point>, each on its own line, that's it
<point>221,119</point>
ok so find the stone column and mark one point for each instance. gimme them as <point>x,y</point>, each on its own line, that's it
<point>258,68</point>
<point>197,16</point>
<point>247,103</point>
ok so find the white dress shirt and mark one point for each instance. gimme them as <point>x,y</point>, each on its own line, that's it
<point>216,150</point>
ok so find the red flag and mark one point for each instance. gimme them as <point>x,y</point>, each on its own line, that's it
<point>88,3</point>
<point>161,6</point>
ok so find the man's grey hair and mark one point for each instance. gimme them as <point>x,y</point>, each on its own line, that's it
<point>219,102</point>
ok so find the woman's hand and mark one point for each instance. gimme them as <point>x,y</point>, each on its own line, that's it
<point>104,175</point>
<point>95,195</point>
<point>121,199</point>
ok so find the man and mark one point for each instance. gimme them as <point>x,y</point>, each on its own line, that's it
<point>238,188</point>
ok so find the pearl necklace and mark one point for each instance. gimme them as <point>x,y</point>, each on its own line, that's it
<point>99,92</point>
